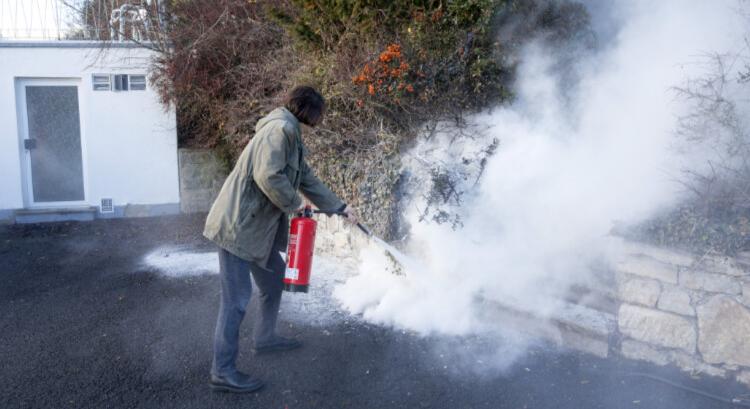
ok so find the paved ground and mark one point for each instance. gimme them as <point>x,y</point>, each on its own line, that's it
<point>84,324</point>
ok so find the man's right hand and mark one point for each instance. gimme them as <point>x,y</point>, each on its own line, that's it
<point>351,215</point>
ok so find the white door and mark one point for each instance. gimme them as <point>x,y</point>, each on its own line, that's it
<point>50,130</point>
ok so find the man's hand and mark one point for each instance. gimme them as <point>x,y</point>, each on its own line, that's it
<point>351,215</point>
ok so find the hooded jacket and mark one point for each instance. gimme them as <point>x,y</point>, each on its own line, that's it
<point>261,190</point>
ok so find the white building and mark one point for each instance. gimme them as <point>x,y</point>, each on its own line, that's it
<point>82,134</point>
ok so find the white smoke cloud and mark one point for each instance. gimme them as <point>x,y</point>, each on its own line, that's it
<point>573,159</point>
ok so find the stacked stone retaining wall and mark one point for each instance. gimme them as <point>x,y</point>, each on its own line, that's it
<point>689,310</point>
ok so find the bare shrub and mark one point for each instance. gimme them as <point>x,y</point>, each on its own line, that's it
<point>225,63</point>
<point>716,122</point>
<point>716,216</point>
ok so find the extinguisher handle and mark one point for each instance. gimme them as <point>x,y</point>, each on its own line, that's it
<point>362,227</point>
<point>329,212</point>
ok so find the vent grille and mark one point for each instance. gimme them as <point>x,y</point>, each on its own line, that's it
<point>101,82</point>
<point>118,82</point>
<point>107,206</point>
<point>137,82</point>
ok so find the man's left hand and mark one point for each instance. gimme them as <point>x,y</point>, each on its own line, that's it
<point>351,215</point>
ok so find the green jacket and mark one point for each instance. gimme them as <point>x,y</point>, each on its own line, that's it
<point>262,188</point>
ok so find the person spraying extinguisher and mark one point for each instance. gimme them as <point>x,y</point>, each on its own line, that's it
<point>248,221</point>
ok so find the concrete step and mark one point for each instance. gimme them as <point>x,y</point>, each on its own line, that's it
<point>586,320</point>
<point>44,215</point>
<point>572,326</point>
<point>660,254</point>
<point>585,329</point>
<point>600,296</point>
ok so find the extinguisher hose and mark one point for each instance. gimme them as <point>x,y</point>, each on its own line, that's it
<point>362,227</point>
<point>734,401</point>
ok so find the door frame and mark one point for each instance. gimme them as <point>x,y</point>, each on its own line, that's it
<point>23,130</point>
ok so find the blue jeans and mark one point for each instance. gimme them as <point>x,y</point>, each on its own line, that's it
<point>236,288</point>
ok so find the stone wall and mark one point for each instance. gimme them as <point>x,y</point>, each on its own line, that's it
<point>201,178</point>
<point>692,311</point>
<point>663,306</point>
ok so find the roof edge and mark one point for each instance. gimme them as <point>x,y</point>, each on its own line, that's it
<point>69,44</point>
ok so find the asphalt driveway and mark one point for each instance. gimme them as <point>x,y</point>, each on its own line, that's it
<point>85,323</point>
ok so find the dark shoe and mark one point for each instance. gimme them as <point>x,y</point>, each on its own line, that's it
<point>277,344</point>
<point>237,382</point>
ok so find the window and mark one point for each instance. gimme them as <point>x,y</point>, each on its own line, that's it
<point>121,82</point>
<point>118,82</point>
<point>101,82</point>
<point>137,82</point>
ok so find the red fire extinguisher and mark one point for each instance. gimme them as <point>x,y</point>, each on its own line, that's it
<point>300,252</point>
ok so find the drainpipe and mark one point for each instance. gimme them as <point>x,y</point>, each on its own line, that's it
<point>123,14</point>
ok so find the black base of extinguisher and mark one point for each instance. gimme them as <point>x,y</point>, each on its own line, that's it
<point>295,288</point>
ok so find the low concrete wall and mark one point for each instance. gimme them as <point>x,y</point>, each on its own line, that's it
<point>91,213</point>
<point>201,178</point>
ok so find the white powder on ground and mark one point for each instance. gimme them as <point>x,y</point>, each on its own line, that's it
<point>317,307</point>
<point>176,262</point>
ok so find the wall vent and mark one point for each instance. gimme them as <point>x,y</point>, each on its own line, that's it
<point>107,206</point>
<point>101,82</point>
<point>137,82</point>
<point>118,82</point>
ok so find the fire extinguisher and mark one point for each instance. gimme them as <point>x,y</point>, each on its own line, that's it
<point>300,252</point>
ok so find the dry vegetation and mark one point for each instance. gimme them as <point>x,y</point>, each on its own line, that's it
<point>393,69</point>
<point>716,215</point>
<point>387,68</point>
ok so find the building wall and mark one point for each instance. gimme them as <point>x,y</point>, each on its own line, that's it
<point>129,140</point>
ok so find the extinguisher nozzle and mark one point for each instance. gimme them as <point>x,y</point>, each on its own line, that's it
<point>364,229</point>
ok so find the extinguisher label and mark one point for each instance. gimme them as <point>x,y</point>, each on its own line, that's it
<point>291,273</point>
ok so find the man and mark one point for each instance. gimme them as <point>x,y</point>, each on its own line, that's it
<point>249,223</point>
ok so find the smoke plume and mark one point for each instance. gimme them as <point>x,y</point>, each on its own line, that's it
<point>585,145</point>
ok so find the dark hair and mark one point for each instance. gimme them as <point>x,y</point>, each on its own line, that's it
<point>306,104</point>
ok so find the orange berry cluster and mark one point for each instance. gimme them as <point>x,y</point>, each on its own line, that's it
<point>388,75</point>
